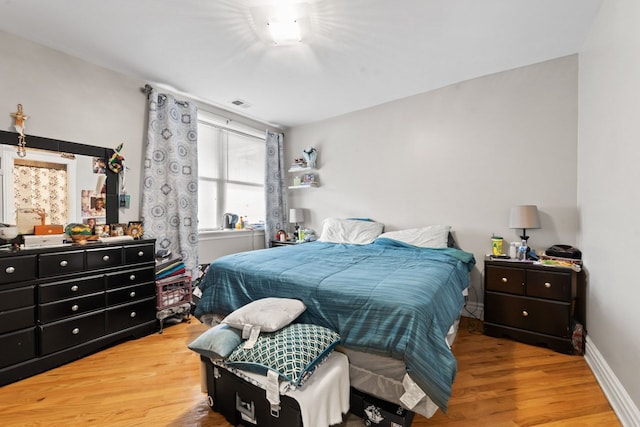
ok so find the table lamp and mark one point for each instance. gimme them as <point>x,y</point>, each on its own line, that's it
<point>524,216</point>
<point>296,216</point>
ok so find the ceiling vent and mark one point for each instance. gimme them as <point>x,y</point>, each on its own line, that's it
<point>240,103</point>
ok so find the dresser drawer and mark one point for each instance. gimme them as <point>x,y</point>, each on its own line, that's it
<point>17,269</point>
<point>139,253</point>
<point>17,347</point>
<point>16,298</point>
<point>546,317</point>
<point>68,333</point>
<point>130,277</point>
<point>130,294</point>
<point>103,258</point>
<point>505,279</point>
<point>549,285</point>
<point>18,318</point>
<point>56,264</point>
<point>130,315</point>
<point>70,289</point>
<point>70,307</point>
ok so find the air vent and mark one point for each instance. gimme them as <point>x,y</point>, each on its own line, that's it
<point>240,103</point>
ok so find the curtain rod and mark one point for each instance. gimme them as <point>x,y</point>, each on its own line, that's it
<point>147,91</point>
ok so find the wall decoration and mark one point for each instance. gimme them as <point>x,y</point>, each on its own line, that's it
<point>20,127</point>
<point>116,159</point>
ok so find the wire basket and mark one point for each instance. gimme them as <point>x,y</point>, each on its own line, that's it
<point>173,293</point>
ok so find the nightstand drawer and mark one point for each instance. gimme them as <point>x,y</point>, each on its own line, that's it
<point>505,279</point>
<point>550,285</point>
<point>546,317</point>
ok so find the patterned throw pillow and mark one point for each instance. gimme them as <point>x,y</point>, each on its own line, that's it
<point>293,352</point>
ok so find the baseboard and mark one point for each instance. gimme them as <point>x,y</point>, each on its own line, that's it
<point>623,406</point>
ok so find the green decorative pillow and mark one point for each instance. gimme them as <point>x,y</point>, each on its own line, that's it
<point>217,342</point>
<point>293,352</point>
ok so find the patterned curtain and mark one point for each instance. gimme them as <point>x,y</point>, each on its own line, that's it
<point>42,187</point>
<point>275,190</point>
<point>170,201</point>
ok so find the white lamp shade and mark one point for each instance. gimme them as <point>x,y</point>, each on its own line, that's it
<point>525,216</point>
<point>296,215</point>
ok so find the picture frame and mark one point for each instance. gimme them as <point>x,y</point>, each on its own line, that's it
<point>118,229</point>
<point>135,229</point>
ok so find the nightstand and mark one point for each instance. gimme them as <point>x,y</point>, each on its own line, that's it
<point>532,303</point>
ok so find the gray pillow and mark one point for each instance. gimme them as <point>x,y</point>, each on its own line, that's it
<point>218,342</point>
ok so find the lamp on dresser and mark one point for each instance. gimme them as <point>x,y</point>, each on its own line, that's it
<point>524,216</point>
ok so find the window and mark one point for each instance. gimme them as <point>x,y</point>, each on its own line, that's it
<point>230,174</point>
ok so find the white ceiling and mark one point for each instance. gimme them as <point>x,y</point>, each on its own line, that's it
<point>354,53</point>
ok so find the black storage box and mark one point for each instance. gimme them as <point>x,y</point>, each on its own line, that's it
<point>378,412</point>
<point>243,403</point>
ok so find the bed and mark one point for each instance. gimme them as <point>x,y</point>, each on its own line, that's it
<point>393,304</point>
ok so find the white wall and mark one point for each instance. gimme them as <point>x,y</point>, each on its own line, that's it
<point>461,155</point>
<point>70,99</point>
<point>608,194</point>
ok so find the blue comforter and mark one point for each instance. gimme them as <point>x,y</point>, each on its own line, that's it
<point>387,297</point>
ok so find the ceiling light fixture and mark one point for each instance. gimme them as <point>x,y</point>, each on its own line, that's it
<point>283,24</point>
<point>286,31</point>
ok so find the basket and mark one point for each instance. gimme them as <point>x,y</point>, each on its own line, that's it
<point>174,292</point>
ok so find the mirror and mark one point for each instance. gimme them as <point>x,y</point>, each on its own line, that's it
<point>76,165</point>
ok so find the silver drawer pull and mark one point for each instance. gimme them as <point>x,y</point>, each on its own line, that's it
<point>547,285</point>
<point>105,258</point>
<point>75,331</point>
<point>525,313</point>
<point>140,253</point>
<point>132,277</point>
<point>64,263</point>
<point>74,307</point>
<point>10,270</point>
<point>132,294</point>
<point>505,280</point>
<point>133,314</point>
<point>74,288</point>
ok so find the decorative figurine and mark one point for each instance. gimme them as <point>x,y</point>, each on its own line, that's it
<point>310,156</point>
<point>19,126</point>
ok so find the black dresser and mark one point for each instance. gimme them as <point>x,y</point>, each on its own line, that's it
<point>533,303</point>
<point>59,304</point>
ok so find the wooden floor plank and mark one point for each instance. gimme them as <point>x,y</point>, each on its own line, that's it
<point>155,381</point>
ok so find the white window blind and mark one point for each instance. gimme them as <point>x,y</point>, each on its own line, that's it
<point>230,172</point>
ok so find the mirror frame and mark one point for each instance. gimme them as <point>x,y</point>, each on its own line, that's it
<point>56,145</point>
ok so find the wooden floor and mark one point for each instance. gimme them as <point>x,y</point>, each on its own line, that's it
<point>154,381</point>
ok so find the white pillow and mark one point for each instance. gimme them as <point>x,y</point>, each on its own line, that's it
<point>336,230</point>
<point>267,314</point>
<point>432,236</point>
